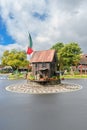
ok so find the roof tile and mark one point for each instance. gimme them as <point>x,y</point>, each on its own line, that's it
<point>42,56</point>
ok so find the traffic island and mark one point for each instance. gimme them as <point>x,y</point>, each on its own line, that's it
<point>34,88</point>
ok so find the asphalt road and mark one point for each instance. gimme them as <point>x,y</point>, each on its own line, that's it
<point>63,111</point>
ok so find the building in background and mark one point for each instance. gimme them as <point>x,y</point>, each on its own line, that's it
<point>83,64</point>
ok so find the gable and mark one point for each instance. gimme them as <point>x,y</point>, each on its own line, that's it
<point>42,56</point>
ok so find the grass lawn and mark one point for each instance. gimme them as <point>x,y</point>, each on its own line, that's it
<point>16,76</point>
<point>73,76</point>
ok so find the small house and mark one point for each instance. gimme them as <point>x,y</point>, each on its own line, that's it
<point>44,64</point>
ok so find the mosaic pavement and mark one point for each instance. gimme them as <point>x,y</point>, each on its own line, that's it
<point>41,89</point>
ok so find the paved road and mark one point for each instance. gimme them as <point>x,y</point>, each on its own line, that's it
<point>64,111</point>
<point>3,76</point>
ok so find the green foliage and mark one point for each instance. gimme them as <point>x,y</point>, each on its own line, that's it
<point>76,73</point>
<point>16,76</point>
<point>30,77</point>
<point>15,59</point>
<point>68,54</point>
<point>58,46</point>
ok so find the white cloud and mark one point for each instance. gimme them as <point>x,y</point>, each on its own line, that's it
<point>65,21</point>
<point>42,39</point>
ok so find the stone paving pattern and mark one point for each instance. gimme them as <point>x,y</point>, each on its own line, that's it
<point>42,89</point>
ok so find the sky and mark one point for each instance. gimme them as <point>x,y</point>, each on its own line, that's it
<point>47,21</point>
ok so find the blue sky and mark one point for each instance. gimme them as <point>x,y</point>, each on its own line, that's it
<point>47,21</point>
<point>5,38</point>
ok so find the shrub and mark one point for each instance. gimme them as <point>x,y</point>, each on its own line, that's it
<point>30,77</point>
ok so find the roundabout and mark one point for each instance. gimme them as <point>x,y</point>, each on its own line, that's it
<point>41,89</point>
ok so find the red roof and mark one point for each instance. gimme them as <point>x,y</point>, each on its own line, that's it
<point>42,56</point>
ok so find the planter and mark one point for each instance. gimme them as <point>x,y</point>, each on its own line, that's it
<point>42,79</point>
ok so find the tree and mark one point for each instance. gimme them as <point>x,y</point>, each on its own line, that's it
<point>58,46</point>
<point>68,54</point>
<point>15,59</point>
